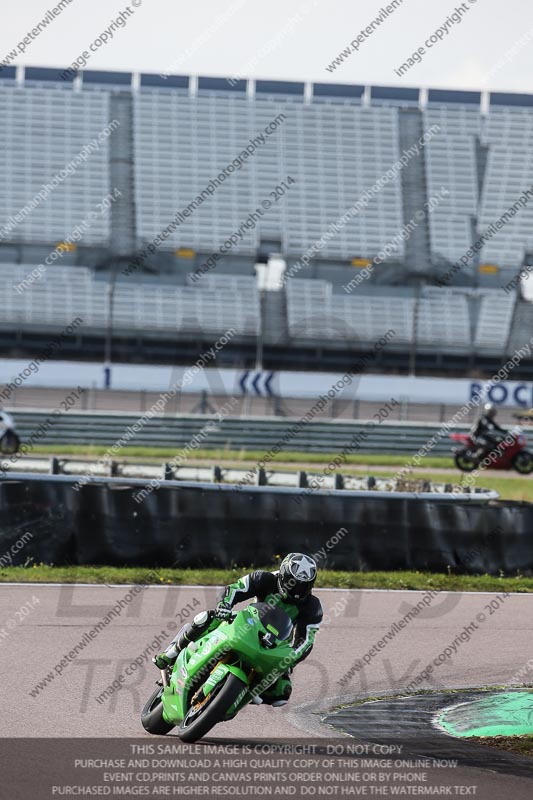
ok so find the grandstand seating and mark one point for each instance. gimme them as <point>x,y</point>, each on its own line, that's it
<point>42,131</point>
<point>509,125</point>
<point>453,119</point>
<point>451,163</point>
<point>509,172</point>
<point>336,144</point>
<point>443,316</point>
<point>335,153</point>
<point>444,319</point>
<point>313,314</point>
<point>494,322</point>
<point>64,294</point>
<point>452,160</point>
<point>522,325</point>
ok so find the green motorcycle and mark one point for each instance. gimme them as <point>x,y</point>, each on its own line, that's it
<point>222,672</point>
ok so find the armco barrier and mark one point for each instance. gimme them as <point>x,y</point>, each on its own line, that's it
<point>193,525</point>
<point>235,433</point>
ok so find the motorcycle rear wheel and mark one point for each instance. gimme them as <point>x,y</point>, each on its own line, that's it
<point>464,461</point>
<point>523,462</point>
<point>9,443</point>
<point>200,721</point>
<point>152,715</point>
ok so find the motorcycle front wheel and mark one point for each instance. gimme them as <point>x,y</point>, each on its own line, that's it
<point>152,715</point>
<point>203,716</point>
<point>523,462</point>
<point>465,461</point>
<point>9,443</point>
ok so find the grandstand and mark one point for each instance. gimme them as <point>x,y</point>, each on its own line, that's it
<point>206,154</point>
<point>208,308</point>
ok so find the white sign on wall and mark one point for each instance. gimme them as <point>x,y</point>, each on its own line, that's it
<point>375,388</point>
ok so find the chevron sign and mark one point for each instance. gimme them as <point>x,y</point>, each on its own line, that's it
<point>258,383</point>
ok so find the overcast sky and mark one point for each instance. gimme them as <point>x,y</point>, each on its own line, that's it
<point>288,39</point>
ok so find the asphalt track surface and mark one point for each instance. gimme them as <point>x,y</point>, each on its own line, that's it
<point>410,721</point>
<point>59,616</point>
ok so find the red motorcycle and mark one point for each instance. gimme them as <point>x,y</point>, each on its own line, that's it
<point>510,454</point>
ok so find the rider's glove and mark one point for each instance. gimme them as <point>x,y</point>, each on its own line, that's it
<point>223,611</point>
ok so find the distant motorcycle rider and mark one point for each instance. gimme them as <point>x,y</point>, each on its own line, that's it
<point>486,433</point>
<point>289,588</point>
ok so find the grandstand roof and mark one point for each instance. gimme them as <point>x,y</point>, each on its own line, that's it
<point>318,91</point>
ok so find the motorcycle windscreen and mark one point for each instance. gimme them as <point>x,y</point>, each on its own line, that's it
<point>274,620</point>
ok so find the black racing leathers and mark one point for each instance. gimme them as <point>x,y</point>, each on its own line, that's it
<point>306,614</point>
<point>487,433</point>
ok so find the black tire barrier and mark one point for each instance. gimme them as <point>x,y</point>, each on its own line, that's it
<point>214,525</point>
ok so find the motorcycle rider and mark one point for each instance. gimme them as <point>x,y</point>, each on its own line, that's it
<point>486,433</point>
<point>290,588</point>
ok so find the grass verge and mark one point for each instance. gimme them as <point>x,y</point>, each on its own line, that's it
<point>238,456</point>
<point>521,745</point>
<point>518,488</point>
<point>509,488</point>
<point>43,573</point>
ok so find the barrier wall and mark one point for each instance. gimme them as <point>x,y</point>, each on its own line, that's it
<point>234,433</point>
<point>192,525</point>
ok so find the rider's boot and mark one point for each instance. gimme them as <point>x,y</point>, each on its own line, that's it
<point>278,694</point>
<point>188,634</point>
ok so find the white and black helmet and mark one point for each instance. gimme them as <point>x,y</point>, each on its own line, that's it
<point>489,409</point>
<point>296,576</point>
